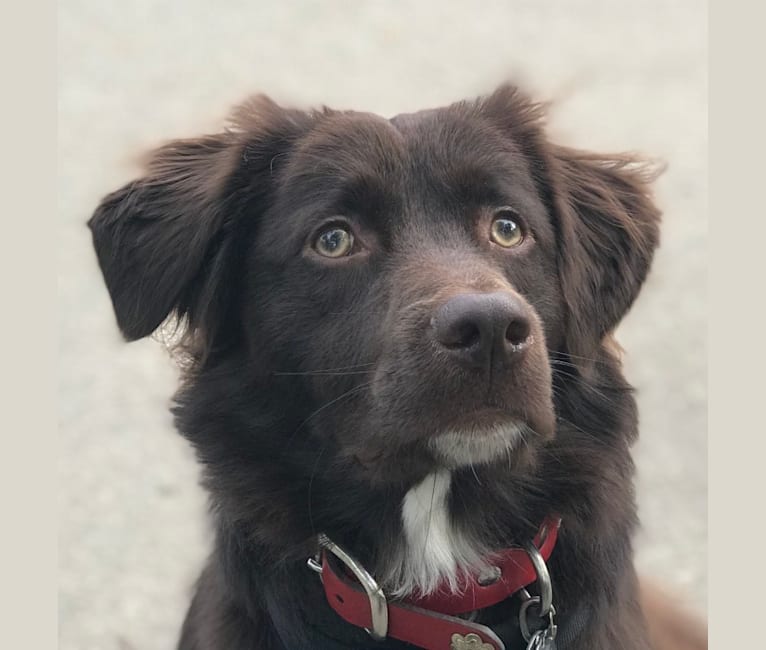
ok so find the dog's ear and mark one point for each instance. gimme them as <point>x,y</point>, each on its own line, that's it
<point>608,231</point>
<point>152,235</point>
<point>159,239</point>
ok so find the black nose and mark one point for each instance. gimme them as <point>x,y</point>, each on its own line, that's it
<point>480,328</point>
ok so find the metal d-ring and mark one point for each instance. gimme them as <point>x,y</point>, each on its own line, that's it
<point>543,579</point>
<point>375,595</point>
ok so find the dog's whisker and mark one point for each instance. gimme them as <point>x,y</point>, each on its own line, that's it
<point>475,475</point>
<point>562,362</point>
<point>322,373</point>
<point>336,369</point>
<point>311,485</point>
<point>590,435</point>
<point>348,393</point>
<point>567,355</point>
<point>523,431</point>
<point>583,384</point>
<point>430,516</point>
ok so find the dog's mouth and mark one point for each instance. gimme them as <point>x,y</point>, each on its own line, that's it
<point>451,422</point>
<point>478,438</point>
<point>456,449</point>
<point>475,438</point>
<point>483,419</point>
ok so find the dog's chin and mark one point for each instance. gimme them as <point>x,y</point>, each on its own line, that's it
<point>478,445</point>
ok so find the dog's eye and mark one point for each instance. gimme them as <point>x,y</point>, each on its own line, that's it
<point>506,231</point>
<point>334,242</point>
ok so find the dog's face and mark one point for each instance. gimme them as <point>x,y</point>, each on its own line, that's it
<point>409,268</point>
<point>410,281</point>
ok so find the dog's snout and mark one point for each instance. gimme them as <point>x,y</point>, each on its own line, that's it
<point>481,327</point>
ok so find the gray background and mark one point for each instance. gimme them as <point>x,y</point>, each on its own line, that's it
<point>625,75</point>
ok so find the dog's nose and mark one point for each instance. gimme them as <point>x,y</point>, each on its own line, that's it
<point>479,328</point>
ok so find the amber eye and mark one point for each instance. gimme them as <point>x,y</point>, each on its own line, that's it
<point>506,231</point>
<point>334,242</point>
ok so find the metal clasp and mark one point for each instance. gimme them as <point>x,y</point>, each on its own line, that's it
<point>375,595</point>
<point>544,600</point>
<point>543,578</point>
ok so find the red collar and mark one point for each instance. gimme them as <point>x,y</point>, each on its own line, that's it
<point>429,622</point>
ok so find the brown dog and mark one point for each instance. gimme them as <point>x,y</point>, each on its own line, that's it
<point>397,343</point>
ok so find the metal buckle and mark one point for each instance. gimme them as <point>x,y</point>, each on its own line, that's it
<point>375,595</point>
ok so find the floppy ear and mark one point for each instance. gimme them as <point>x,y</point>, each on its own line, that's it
<point>152,235</point>
<point>608,232</point>
<point>160,239</point>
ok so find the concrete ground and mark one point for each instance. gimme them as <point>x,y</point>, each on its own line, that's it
<point>626,75</point>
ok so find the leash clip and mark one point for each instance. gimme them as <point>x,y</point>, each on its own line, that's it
<point>375,595</point>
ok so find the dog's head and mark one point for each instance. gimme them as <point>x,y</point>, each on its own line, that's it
<point>408,281</point>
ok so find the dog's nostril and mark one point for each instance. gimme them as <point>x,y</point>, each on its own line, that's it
<point>517,331</point>
<point>462,335</point>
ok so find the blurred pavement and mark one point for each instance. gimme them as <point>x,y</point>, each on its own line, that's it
<point>626,75</point>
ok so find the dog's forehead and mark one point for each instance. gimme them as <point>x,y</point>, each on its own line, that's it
<point>348,143</point>
<point>354,143</point>
<point>460,145</point>
<point>442,145</point>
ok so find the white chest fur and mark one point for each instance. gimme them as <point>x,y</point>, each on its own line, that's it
<point>433,549</point>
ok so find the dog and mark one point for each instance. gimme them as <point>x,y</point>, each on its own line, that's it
<point>400,376</point>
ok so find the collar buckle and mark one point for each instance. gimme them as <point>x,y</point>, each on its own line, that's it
<point>377,599</point>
